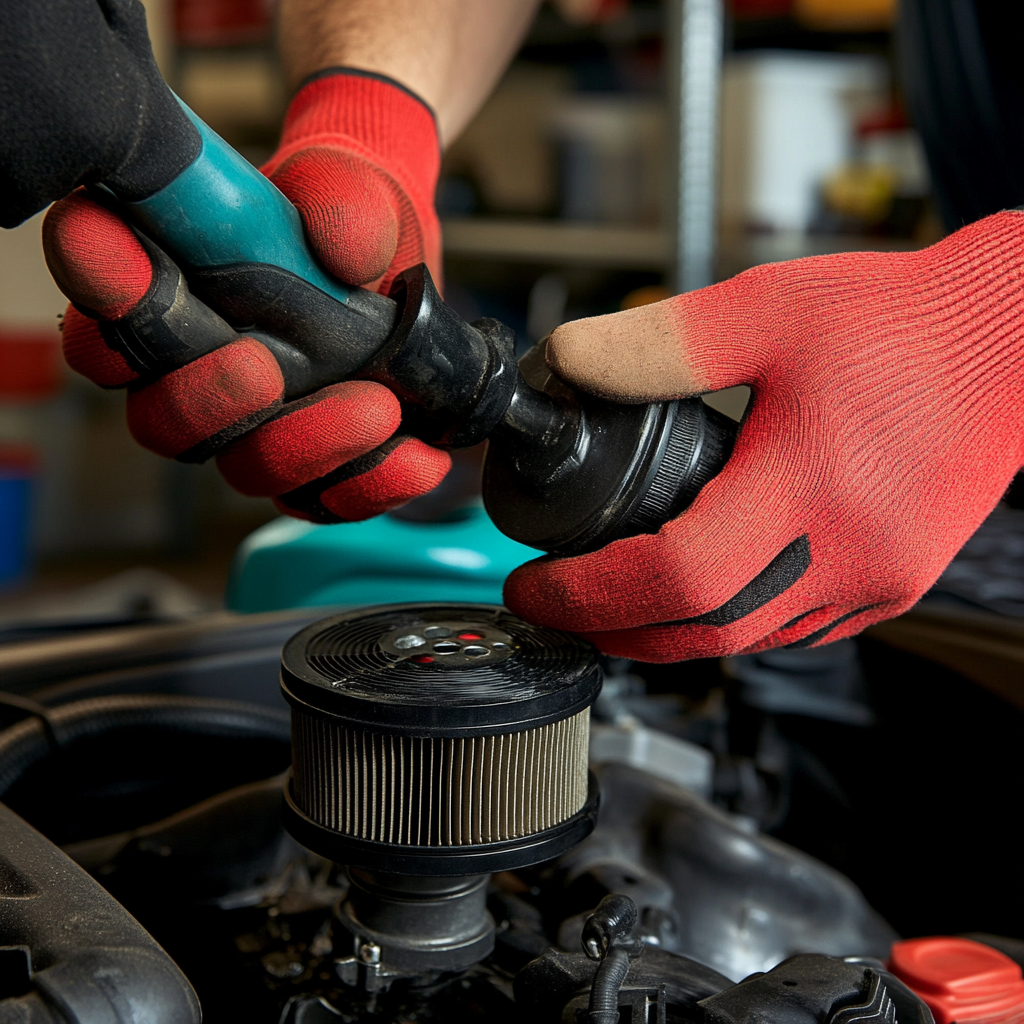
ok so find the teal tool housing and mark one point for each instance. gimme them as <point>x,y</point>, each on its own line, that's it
<point>293,564</point>
<point>220,211</point>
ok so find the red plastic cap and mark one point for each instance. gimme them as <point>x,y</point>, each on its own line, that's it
<point>961,981</point>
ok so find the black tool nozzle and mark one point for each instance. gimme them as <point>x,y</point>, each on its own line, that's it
<point>565,472</point>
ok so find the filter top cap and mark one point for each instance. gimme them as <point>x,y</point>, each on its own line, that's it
<point>439,670</point>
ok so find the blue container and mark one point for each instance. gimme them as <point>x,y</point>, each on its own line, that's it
<point>293,564</point>
<point>15,500</point>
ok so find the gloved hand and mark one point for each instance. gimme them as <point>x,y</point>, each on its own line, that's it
<point>886,422</point>
<point>81,100</point>
<point>359,158</point>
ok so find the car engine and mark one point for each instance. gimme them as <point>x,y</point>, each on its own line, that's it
<point>441,813</point>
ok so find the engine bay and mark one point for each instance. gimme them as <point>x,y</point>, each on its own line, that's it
<point>768,829</point>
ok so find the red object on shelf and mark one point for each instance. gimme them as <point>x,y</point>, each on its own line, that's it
<point>30,364</point>
<point>223,22</point>
<point>961,981</point>
<point>18,460</point>
<point>591,12</point>
<point>761,8</point>
<point>889,119</point>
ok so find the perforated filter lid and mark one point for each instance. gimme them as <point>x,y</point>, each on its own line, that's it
<point>439,670</point>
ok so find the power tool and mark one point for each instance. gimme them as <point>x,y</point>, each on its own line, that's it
<point>565,472</point>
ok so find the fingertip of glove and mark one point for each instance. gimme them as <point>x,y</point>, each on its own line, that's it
<point>347,208</point>
<point>87,353</point>
<point>94,256</point>
<point>538,591</point>
<point>590,354</point>
<point>412,468</point>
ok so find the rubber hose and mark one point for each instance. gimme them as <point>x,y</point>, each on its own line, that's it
<point>31,741</point>
<point>604,993</point>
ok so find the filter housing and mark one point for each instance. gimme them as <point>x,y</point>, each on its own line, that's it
<point>439,739</point>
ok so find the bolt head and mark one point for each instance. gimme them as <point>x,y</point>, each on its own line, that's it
<point>369,953</point>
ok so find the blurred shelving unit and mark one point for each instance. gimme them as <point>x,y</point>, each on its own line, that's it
<point>663,51</point>
<point>557,242</point>
<point>686,244</point>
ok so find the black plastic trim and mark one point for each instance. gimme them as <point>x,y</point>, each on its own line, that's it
<point>88,960</point>
<point>442,860</point>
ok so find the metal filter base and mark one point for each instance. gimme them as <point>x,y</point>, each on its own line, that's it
<point>402,925</point>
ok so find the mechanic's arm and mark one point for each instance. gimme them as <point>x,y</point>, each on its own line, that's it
<point>359,157</point>
<point>886,422</point>
<point>451,54</point>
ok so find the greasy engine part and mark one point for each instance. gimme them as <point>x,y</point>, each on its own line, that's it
<point>78,952</point>
<point>811,987</point>
<point>618,978</point>
<point>100,765</point>
<point>657,986</point>
<point>249,915</point>
<point>69,952</point>
<point>622,979</point>
<point>701,878</point>
<point>609,937</point>
<point>432,745</point>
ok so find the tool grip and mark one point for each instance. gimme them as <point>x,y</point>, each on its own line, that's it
<point>564,474</point>
<point>241,245</point>
<point>222,211</point>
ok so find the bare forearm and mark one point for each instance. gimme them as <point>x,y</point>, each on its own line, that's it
<point>449,52</point>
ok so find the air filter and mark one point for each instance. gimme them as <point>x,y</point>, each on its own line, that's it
<point>438,739</point>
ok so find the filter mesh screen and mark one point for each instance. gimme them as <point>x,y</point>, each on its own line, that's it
<point>460,791</point>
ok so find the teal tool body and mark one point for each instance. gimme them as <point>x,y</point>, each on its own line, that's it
<point>292,564</point>
<point>220,211</point>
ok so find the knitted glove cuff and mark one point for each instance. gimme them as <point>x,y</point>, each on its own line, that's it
<point>372,116</point>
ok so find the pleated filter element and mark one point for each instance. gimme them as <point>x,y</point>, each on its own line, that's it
<point>439,791</point>
<point>439,739</point>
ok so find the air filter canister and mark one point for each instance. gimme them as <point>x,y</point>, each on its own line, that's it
<point>439,739</point>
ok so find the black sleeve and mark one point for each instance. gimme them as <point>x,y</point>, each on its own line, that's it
<point>81,100</point>
<point>963,79</point>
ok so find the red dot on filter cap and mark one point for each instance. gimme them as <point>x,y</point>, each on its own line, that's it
<point>423,659</point>
<point>471,636</point>
<point>963,982</point>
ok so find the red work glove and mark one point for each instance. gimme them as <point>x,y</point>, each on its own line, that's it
<point>359,157</point>
<point>886,422</point>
